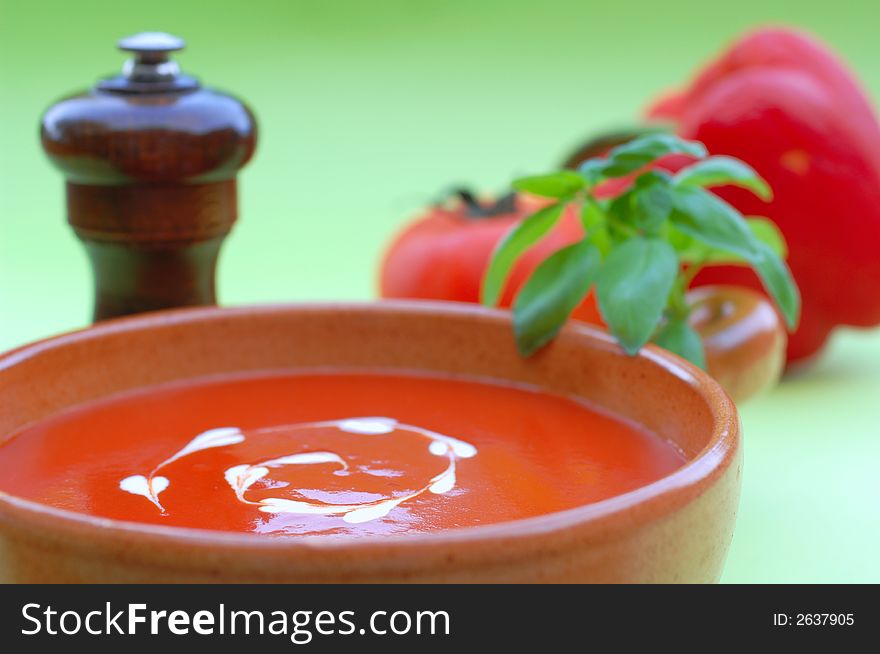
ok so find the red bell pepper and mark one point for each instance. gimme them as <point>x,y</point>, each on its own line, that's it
<point>787,106</point>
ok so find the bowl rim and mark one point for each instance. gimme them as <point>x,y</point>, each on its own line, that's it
<point>673,489</point>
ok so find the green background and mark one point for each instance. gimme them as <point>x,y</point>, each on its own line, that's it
<point>367,110</point>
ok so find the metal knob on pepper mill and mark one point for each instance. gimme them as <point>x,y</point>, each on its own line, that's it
<point>150,157</point>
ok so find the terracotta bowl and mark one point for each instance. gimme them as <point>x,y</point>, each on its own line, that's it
<point>674,530</point>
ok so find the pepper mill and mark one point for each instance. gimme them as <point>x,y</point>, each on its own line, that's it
<point>150,158</point>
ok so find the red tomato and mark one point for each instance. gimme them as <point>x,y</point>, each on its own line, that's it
<point>443,254</point>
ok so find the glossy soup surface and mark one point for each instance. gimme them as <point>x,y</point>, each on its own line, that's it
<point>330,453</point>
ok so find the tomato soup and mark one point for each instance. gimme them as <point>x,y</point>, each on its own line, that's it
<point>331,453</point>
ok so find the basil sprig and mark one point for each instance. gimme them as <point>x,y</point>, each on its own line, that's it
<point>641,248</point>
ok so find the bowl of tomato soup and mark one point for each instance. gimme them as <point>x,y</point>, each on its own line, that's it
<point>383,442</point>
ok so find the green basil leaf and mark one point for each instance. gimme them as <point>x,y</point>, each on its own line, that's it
<point>646,205</point>
<point>767,232</point>
<point>621,207</point>
<point>592,215</point>
<point>595,226</point>
<point>690,250</point>
<point>633,288</point>
<point>713,222</point>
<point>553,291</point>
<point>562,184</point>
<point>777,279</point>
<point>652,178</point>
<point>638,153</point>
<point>679,337</point>
<point>652,201</point>
<point>519,239</point>
<point>722,171</point>
<point>687,246</point>
<point>592,169</point>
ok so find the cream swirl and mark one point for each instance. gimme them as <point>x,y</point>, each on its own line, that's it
<point>242,477</point>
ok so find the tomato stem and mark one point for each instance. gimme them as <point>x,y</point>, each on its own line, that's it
<point>478,210</point>
<point>601,143</point>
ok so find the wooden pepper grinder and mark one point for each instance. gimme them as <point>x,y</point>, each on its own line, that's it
<point>150,157</point>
